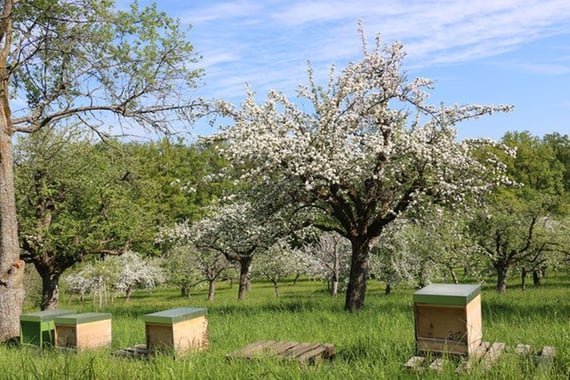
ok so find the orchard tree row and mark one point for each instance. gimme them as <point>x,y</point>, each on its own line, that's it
<point>519,228</point>
<point>80,200</point>
<point>87,202</point>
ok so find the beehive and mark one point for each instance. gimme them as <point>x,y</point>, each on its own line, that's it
<point>38,328</point>
<point>177,330</point>
<point>448,318</point>
<point>83,331</point>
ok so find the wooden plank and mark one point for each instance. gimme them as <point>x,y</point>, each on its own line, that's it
<point>251,350</point>
<point>280,347</point>
<point>547,356</point>
<point>478,353</point>
<point>492,354</point>
<point>437,365</point>
<point>255,348</point>
<point>317,353</point>
<point>444,323</point>
<point>480,350</point>
<point>139,351</point>
<point>548,352</point>
<point>474,322</point>
<point>415,362</point>
<point>441,345</point>
<point>303,352</point>
<point>523,349</point>
<point>296,350</point>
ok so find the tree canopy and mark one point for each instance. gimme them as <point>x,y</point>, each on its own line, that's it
<point>82,62</point>
<point>358,153</point>
<point>525,225</point>
<point>74,200</point>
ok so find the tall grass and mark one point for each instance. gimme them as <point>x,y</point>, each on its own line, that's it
<point>371,344</point>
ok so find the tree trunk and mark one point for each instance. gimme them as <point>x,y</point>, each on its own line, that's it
<point>388,290</point>
<point>453,275</point>
<point>356,291</point>
<point>11,300</point>
<point>185,291</point>
<point>211,290</point>
<point>11,267</point>
<point>50,291</point>
<point>276,288</point>
<point>334,287</point>
<point>501,278</point>
<point>523,278</point>
<point>536,280</point>
<point>128,293</point>
<point>244,265</point>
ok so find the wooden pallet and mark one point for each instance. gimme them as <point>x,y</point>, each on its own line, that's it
<point>544,356</point>
<point>484,356</point>
<point>139,351</point>
<point>302,352</point>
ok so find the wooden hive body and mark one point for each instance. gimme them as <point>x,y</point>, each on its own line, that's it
<point>177,330</point>
<point>448,318</point>
<point>83,331</point>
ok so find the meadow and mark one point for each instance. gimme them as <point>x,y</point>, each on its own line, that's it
<point>371,344</point>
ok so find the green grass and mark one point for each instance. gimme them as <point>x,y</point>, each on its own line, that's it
<point>371,344</point>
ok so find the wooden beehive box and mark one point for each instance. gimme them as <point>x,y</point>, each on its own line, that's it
<point>177,330</point>
<point>38,328</point>
<point>448,318</point>
<point>83,331</point>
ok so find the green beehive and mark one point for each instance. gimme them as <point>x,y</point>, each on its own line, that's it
<point>177,330</point>
<point>38,328</point>
<point>448,318</point>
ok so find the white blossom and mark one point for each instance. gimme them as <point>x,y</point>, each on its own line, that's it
<point>361,151</point>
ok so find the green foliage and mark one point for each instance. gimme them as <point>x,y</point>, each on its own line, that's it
<point>73,198</point>
<point>175,179</point>
<point>76,59</point>
<point>526,225</point>
<point>560,145</point>
<point>78,198</point>
<point>536,164</point>
<point>113,195</point>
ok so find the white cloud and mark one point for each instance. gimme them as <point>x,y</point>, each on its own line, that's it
<point>267,43</point>
<point>431,26</point>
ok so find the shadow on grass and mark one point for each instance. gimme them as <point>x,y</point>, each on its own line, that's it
<point>509,311</point>
<point>306,296</point>
<point>308,302</point>
<point>368,349</point>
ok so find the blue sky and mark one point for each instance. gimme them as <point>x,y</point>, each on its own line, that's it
<point>478,51</point>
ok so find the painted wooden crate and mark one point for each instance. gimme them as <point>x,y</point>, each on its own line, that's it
<point>83,331</point>
<point>448,318</point>
<point>38,328</point>
<point>177,330</point>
